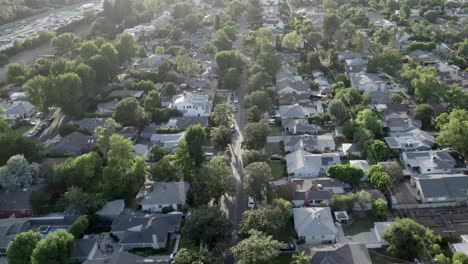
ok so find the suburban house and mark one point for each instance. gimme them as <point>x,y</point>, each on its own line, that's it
<point>111,210</point>
<point>312,143</point>
<point>273,23</point>
<point>314,225</point>
<point>83,249</point>
<point>441,188</point>
<point>292,86</point>
<point>297,111</point>
<point>153,231</point>
<point>363,165</point>
<point>17,110</point>
<point>293,98</point>
<point>461,247</point>
<point>303,164</point>
<point>76,143</point>
<point>423,56</point>
<point>367,82</point>
<point>160,195</point>
<point>141,150</point>
<point>89,124</point>
<point>141,31</point>
<point>129,132</point>
<point>429,162</point>
<point>352,149</point>
<point>152,61</point>
<point>149,131</point>
<point>183,122</point>
<point>192,104</point>
<point>399,122</point>
<point>413,140</point>
<point>355,65</point>
<point>18,96</point>
<point>349,253</point>
<point>314,192</point>
<point>107,107</point>
<point>299,127</point>
<point>167,141</point>
<point>126,93</point>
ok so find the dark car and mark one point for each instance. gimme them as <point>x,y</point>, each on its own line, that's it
<point>288,247</point>
<point>276,157</point>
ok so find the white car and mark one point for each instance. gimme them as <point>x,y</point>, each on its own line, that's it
<point>271,121</point>
<point>236,100</point>
<point>251,203</point>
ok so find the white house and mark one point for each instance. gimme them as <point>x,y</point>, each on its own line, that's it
<point>303,164</point>
<point>18,110</point>
<point>367,82</point>
<point>192,104</point>
<point>161,195</point>
<point>429,162</point>
<point>315,225</point>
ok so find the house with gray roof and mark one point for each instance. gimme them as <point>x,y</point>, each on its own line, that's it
<point>320,143</point>
<point>367,82</point>
<point>296,111</point>
<point>127,93</point>
<point>129,132</point>
<point>123,257</point>
<point>355,65</point>
<point>154,231</point>
<point>15,203</point>
<point>293,98</point>
<point>17,110</point>
<point>299,127</point>
<point>363,165</point>
<point>423,56</point>
<point>303,164</point>
<point>413,140</point>
<point>350,253</point>
<point>399,122</point>
<point>83,249</point>
<point>314,192</point>
<point>111,210</point>
<point>294,86</point>
<point>314,225</point>
<point>76,143</point>
<point>89,124</point>
<point>107,107</point>
<point>441,188</point>
<point>429,162</point>
<point>163,194</point>
<point>167,141</point>
<point>9,228</point>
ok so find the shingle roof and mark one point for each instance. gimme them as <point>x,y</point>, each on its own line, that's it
<point>166,193</point>
<point>316,221</point>
<point>340,254</point>
<point>443,185</point>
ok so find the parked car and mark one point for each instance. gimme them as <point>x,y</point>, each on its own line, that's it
<point>236,100</point>
<point>288,247</point>
<point>251,203</point>
<point>276,157</point>
<point>271,121</point>
<point>235,109</point>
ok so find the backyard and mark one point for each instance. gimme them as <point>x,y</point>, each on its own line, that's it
<point>275,131</point>
<point>219,100</point>
<point>359,223</point>
<point>277,169</point>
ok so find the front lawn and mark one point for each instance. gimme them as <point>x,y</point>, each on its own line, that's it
<point>277,168</point>
<point>219,100</point>
<point>275,131</point>
<point>274,148</point>
<point>359,223</point>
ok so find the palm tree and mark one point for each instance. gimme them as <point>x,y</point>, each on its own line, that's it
<point>301,258</point>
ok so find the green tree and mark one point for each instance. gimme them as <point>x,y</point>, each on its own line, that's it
<point>222,115</point>
<point>253,114</point>
<point>64,43</point>
<point>124,174</point>
<point>221,41</point>
<point>18,173</point>
<point>424,113</point>
<point>189,153</point>
<point>459,258</point>
<point>187,65</point>
<point>259,98</point>
<point>409,240</point>
<point>21,247</point>
<point>55,249</point>
<point>258,248</point>
<point>84,202</point>
<point>228,59</point>
<point>145,85</point>
<point>381,180</point>
<point>16,73</point>
<point>427,86</point>
<point>129,112</point>
<point>291,40</point>
<point>301,258</point>
<point>271,219</point>
<point>255,135</point>
<point>389,61</point>
<point>396,98</point>
<point>441,259</point>
<point>346,173</point>
<point>214,180</point>
<point>376,151</point>
<point>257,179</point>
<point>221,137</point>
<point>13,143</point>
<point>207,225</point>
<point>338,111</point>
<point>370,121</point>
<point>456,98</point>
<point>405,11</point>
<point>331,24</point>
<point>454,130</point>
<point>231,79</point>
<point>380,209</point>
<point>157,153</point>
<point>70,90</point>
<point>165,170</point>
<point>349,96</point>
<point>79,227</point>
<point>126,47</point>
<point>39,93</point>
<point>88,78</point>
<point>431,16</point>
<point>168,89</point>
<point>103,135</point>
<point>102,67</point>
<point>343,202</point>
<point>252,155</point>
<point>88,49</point>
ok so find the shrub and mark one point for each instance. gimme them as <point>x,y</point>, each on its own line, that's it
<point>167,209</point>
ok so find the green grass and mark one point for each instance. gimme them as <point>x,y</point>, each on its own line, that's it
<point>358,224</point>
<point>380,256</point>
<point>277,168</point>
<point>21,129</point>
<point>275,131</point>
<point>185,243</point>
<point>219,100</point>
<point>274,148</point>
<point>287,233</point>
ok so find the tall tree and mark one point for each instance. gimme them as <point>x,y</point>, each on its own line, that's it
<point>291,40</point>
<point>345,172</point>
<point>454,130</point>
<point>129,112</point>
<point>222,115</point>
<point>255,135</point>
<point>21,247</point>
<point>424,113</point>
<point>126,47</point>
<point>55,249</point>
<point>338,111</point>
<point>18,173</point>
<point>369,120</point>
<point>257,179</point>
<point>104,133</point>
<point>221,137</point>
<point>257,249</point>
